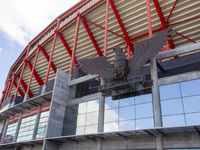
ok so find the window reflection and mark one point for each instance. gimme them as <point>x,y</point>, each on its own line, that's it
<point>131,113</point>
<point>183,110</point>
<point>87,119</point>
<point>10,133</point>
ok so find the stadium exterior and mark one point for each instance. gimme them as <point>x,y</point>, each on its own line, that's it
<point>50,104</point>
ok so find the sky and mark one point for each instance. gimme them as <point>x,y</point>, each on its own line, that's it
<point>20,22</point>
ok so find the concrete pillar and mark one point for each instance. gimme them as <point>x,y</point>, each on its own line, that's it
<point>36,124</point>
<point>25,97</point>
<point>156,103</point>
<point>18,127</point>
<point>43,89</point>
<point>99,144</point>
<point>4,131</point>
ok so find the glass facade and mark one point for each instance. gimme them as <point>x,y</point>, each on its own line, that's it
<point>128,113</point>
<point>10,133</point>
<point>87,120</point>
<point>42,125</point>
<point>180,103</point>
<point>26,128</point>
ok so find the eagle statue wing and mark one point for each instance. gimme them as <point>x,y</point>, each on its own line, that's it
<point>98,65</point>
<point>148,49</point>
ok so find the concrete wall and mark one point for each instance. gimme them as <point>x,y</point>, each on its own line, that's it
<point>61,94</point>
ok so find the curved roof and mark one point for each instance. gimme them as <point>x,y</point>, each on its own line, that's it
<point>127,23</point>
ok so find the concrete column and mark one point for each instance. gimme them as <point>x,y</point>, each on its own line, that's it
<point>99,145</point>
<point>43,89</point>
<point>4,131</point>
<point>101,110</point>
<point>17,129</point>
<point>36,124</point>
<point>25,97</point>
<point>156,103</point>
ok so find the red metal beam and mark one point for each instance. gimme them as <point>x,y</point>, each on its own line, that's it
<point>162,19</point>
<point>75,44</point>
<point>47,58</point>
<point>19,90</point>
<point>184,20</point>
<point>30,94</point>
<point>13,79</point>
<point>37,77</point>
<point>185,37</point>
<point>171,11</point>
<point>33,69</point>
<point>91,37</point>
<point>103,28</point>
<point>106,28</point>
<point>51,55</point>
<point>66,45</point>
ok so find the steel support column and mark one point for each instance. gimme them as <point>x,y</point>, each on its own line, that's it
<point>50,59</point>
<point>13,78</point>
<point>74,46</point>
<point>106,28</point>
<point>33,69</point>
<point>19,90</point>
<point>155,90</point>
<point>22,71</point>
<point>7,91</point>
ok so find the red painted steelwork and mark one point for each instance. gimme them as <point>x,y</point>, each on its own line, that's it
<point>7,89</point>
<point>33,69</point>
<point>171,11</point>
<point>125,49</point>
<point>37,77</point>
<point>30,94</point>
<point>91,37</point>
<point>149,18</point>
<point>75,44</point>
<point>51,56</point>
<point>185,37</point>
<point>19,90</point>
<point>66,45</point>
<point>106,28</point>
<point>20,78</point>
<point>184,20</point>
<point>13,79</point>
<point>47,58</point>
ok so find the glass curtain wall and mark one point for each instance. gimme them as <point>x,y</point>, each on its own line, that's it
<point>26,128</point>
<point>42,125</point>
<point>128,113</point>
<point>10,133</point>
<point>87,120</point>
<point>180,103</point>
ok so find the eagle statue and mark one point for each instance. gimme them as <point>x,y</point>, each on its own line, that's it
<point>122,66</point>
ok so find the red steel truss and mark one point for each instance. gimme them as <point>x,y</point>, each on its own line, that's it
<point>58,31</point>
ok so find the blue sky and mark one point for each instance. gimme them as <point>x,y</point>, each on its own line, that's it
<point>21,21</point>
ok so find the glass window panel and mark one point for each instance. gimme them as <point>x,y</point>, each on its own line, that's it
<point>192,119</point>
<point>91,129</point>
<point>143,99</point>
<point>191,104</point>
<point>93,106</point>
<point>144,123</point>
<point>92,118</point>
<point>109,103</point>
<point>127,125</point>
<point>190,88</point>
<point>126,113</point>
<point>126,102</point>
<point>111,115</point>
<point>82,108</point>
<point>81,120</point>
<point>144,110</point>
<point>171,107</point>
<point>80,130</point>
<point>172,121</point>
<point>170,91</point>
<point>110,127</point>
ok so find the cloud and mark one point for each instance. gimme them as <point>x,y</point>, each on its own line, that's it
<point>1,50</point>
<point>22,20</point>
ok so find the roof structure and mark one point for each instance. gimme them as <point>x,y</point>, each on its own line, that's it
<point>91,28</point>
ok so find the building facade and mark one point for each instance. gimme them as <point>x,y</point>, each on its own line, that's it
<point>49,103</point>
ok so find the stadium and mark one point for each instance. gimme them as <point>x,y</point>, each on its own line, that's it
<point>50,103</point>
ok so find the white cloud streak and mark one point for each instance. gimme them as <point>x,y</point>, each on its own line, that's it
<point>1,50</point>
<point>22,20</point>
